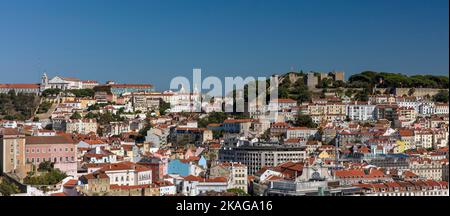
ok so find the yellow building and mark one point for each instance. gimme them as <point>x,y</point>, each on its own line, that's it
<point>401,147</point>
<point>324,155</point>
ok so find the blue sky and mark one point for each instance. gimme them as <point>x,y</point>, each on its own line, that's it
<point>153,41</point>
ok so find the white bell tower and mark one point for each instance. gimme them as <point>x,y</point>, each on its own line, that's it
<point>44,82</point>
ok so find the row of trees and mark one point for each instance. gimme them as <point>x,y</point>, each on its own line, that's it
<point>77,92</point>
<point>102,118</point>
<point>396,80</point>
<point>218,118</point>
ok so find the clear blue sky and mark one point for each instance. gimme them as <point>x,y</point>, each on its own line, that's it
<point>152,41</point>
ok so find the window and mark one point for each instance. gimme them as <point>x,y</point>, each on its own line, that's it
<point>28,150</point>
<point>67,149</point>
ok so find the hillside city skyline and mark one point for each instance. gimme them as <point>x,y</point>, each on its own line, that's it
<point>225,98</point>
<point>204,75</point>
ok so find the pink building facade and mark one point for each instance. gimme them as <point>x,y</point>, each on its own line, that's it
<point>60,150</point>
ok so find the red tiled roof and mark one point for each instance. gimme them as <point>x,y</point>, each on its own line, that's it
<point>200,179</point>
<point>131,85</point>
<point>238,120</point>
<point>406,132</point>
<point>285,100</point>
<point>20,86</point>
<point>59,194</point>
<point>128,187</point>
<point>300,128</point>
<point>33,140</point>
<point>94,142</point>
<point>125,166</point>
<point>71,183</point>
<point>9,131</point>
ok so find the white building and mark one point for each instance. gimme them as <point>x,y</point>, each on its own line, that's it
<point>236,174</point>
<point>194,185</point>
<point>81,126</point>
<point>62,83</point>
<point>441,108</point>
<point>127,173</point>
<point>361,111</point>
<point>301,132</point>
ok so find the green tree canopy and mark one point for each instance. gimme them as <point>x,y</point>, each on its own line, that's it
<point>50,92</point>
<point>304,121</point>
<point>441,97</point>
<point>76,115</point>
<point>82,92</point>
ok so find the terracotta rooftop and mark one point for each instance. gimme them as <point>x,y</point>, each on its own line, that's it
<point>33,140</point>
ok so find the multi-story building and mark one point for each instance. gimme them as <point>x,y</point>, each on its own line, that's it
<point>280,104</point>
<point>89,84</point>
<point>145,102</point>
<point>282,187</point>
<point>20,88</point>
<point>426,168</point>
<point>407,114</point>
<point>354,176</point>
<point>361,111</point>
<point>258,155</point>
<point>301,132</point>
<point>62,83</point>
<point>445,172</point>
<point>279,129</point>
<point>235,173</point>
<point>407,136</point>
<point>423,138</point>
<point>194,185</point>
<point>60,150</point>
<point>397,163</point>
<point>81,126</point>
<point>386,111</point>
<point>117,128</point>
<point>408,102</point>
<point>12,150</point>
<point>405,188</point>
<point>426,108</point>
<point>441,108</point>
<point>241,126</point>
<point>95,183</point>
<point>127,173</point>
